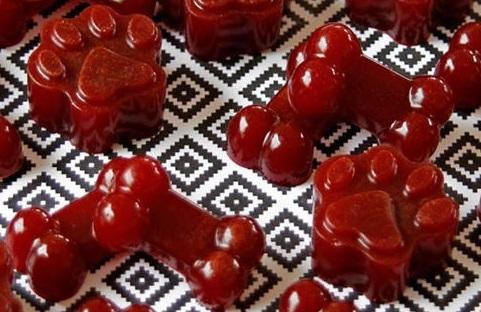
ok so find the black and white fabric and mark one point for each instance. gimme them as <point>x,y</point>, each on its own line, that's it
<point>202,97</point>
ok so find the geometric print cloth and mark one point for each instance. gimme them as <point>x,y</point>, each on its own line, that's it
<point>201,98</point>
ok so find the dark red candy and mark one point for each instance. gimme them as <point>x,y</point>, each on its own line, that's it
<point>55,267</point>
<point>24,229</point>
<point>11,155</point>
<point>408,22</point>
<point>133,207</point>
<point>14,15</point>
<point>310,296</point>
<point>103,305</point>
<point>215,29</point>
<point>330,81</point>
<point>146,7</point>
<point>114,87</point>
<point>380,220</point>
<point>460,67</point>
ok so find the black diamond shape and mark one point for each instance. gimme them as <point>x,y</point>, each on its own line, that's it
<point>209,93</point>
<point>184,92</point>
<point>214,127</point>
<point>287,240</point>
<point>280,257</point>
<point>211,164</point>
<point>43,199</point>
<point>444,162</point>
<point>187,164</point>
<point>384,56</point>
<point>244,202</point>
<point>38,182</point>
<point>141,279</point>
<point>470,161</point>
<point>410,56</point>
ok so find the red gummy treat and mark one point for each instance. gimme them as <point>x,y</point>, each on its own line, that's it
<point>460,67</point>
<point>103,305</point>
<point>379,220</point>
<point>11,155</point>
<point>8,302</point>
<point>330,81</point>
<point>310,296</point>
<point>216,29</point>
<point>96,79</point>
<point>407,22</point>
<point>14,15</point>
<point>133,207</point>
<point>146,7</point>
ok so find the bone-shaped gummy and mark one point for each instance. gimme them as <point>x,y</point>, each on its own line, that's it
<point>408,22</point>
<point>331,81</point>
<point>132,207</point>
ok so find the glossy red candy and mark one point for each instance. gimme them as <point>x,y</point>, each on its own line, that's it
<point>8,302</point>
<point>11,155</point>
<point>215,29</point>
<point>146,7</point>
<point>330,81</point>
<point>380,220</point>
<point>460,67</point>
<point>310,296</point>
<point>133,207</point>
<point>408,22</point>
<point>96,78</point>
<point>103,305</point>
<point>14,15</point>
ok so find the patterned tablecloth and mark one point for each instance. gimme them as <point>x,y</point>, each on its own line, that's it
<point>201,99</point>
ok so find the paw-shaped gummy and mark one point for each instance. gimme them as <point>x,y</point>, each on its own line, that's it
<point>96,78</point>
<point>379,220</point>
<point>408,22</point>
<point>460,67</point>
<point>330,81</point>
<point>132,207</point>
<point>216,29</point>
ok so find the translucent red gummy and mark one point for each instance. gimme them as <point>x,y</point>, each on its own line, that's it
<point>408,22</point>
<point>103,305</point>
<point>8,302</point>
<point>460,67</point>
<point>132,207</point>
<point>330,81</point>
<point>380,220</point>
<point>216,29</point>
<point>14,15</point>
<point>310,296</point>
<point>96,79</point>
<point>11,155</point>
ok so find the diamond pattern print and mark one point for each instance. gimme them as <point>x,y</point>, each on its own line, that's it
<point>201,99</point>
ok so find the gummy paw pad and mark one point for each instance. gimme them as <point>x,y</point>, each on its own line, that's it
<point>379,220</point>
<point>96,78</point>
